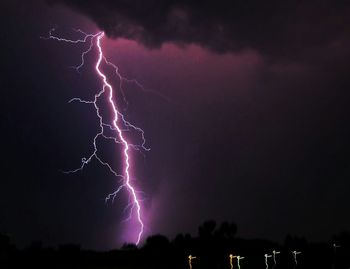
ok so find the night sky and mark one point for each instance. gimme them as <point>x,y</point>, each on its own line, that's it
<point>247,117</point>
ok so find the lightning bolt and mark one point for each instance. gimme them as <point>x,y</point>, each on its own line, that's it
<point>118,125</point>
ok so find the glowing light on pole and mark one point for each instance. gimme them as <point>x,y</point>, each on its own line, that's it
<point>118,124</point>
<point>266,260</point>
<point>295,253</point>
<point>231,260</point>
<point>238,260</point>
<point>335,247</point>
<point>190,258</point>
<point>274,253</point>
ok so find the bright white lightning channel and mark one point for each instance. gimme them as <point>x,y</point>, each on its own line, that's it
<point>117,126</point>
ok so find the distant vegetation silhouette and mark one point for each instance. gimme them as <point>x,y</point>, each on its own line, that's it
<point>211,248</point>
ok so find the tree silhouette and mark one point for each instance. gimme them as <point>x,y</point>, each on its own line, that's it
<point>206,229</point>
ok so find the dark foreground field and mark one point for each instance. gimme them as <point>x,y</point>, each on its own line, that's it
<point>211,248</point>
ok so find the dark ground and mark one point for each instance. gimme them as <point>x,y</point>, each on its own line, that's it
<point>211,248</point>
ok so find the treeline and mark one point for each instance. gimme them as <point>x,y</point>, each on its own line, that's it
<point>211,248</point>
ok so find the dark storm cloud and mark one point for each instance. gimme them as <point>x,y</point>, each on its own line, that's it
<point>286,29</point>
